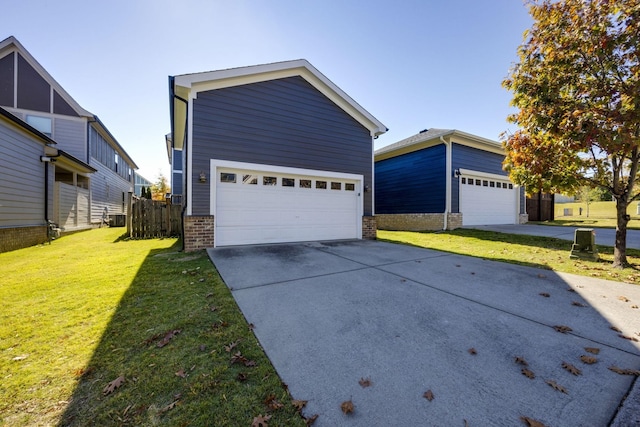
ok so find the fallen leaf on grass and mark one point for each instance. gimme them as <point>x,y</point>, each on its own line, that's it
<point>219,325</point>
<point>624,371</point>
<point>261,421</point>
<point>19,358</point>
<point>556,386</point>
<point>521,361</point>
<point>209,295</point>
<point>527,373</point>
<point>589,360</point>
<point>113,385</point>
<point>299,404</point>
<point>213,308</point>
<point>231,346</point>
<point>347,407</point>
<point>592,350</point>
<point>239,358</point>
<point>169,407</point>
<point>530,422</point>
<point>312,419</point>
<point>365,382</point>
<point>181,374</point>
<point>578,304</point>
<point>272,403</point>
<point>251,326</point>
<point>544,294</point>
<point>428,395</point>
<point>168,337</point>
<point>241,376</point>
<point>571,369</point>
<point>562,328</point>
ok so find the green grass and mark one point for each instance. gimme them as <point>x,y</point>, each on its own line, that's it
<point>540,252</point>
<point>601,214</point>
<point>89,308</point>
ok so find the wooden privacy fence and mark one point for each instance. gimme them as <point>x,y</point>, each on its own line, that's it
<point>152,218</point>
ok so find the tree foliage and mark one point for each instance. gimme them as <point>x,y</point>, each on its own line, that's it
<point>160,188</point>
<point>577,90</point>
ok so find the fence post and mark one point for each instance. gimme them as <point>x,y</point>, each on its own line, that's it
<point>129,213</point>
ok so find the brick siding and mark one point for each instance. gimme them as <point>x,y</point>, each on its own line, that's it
<point>198,232</point>
<point>22,237</point>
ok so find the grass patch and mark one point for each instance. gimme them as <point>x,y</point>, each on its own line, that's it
<point>540,252</point>
<point>90,308</point>
<point>601,215</point>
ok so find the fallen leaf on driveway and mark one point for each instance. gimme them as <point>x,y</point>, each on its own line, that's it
<point>556,386</point>
<point>531,422</point>
<point>624,371</point>
<point>544,294</point>
<point>562,328</point>
<point>570,368</point>
<point>113,385</point>
<point>628,338</point>
<point>613,328</point>
<point>542,276</point>
<point>521,361</point>
<point>428,395</point>
<point>578,304</point>
<point>472,351</point>
<point>589,360</point>
<point>365,382</point>
<point>309,421</point>
<point>623,298</point>
<point>592,350</point>
<point>527,373</point>
<point>347,407</point>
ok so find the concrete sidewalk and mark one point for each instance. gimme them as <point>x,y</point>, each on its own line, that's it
<point>604,236</point>
<point>331,313</point>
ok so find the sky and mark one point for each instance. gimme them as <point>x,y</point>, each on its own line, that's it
<point>412,64</point>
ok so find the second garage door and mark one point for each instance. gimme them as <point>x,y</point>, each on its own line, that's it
<point>487,200</point>
<point>253,207</point>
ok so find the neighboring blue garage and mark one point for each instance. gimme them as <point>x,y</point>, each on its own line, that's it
<point>444,179</point>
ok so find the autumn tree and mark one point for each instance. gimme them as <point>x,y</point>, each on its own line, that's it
<point>577,90</point>
<point>160,188</point>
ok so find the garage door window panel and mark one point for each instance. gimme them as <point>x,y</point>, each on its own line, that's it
<point>350,187</point>
<point>321,185</point>
<point>336,186</point>
<point>269,180</point>
<point>228,177</point>
<point>288,182</point>
<point>305,183</point>
<point>250,179</point>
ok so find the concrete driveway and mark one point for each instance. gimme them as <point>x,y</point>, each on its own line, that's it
<point>329,314</point>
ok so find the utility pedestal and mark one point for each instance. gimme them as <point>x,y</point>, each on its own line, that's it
<point>584,245</point>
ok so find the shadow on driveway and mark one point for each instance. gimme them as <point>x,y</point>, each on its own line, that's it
<point>329,314</point>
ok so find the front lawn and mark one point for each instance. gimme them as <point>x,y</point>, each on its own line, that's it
<point>540,252</point>
<point>95,330</point>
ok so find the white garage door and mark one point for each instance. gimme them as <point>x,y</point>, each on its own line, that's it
<point>485,200</point>
<point>255,207</point>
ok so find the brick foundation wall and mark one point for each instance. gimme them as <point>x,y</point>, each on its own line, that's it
<point>418,221</point>
<point>198,232</point>
<point>369,227</point>
<point>21,237</point>
<point>454,220</point>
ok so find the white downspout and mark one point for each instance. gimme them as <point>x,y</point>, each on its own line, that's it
<point>447,203</point>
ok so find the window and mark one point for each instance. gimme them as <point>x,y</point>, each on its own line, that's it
<point>492,184</point>
<point>321,185</point>
<point>464,180</point>
<point>288,182</point>
<point>504,185</point>
<point>227,177</point>
<point>478,182</point>
<point>43,124</point>
<point>305,183</point>
<point>485,183</point>
<point>269,180</point>
<point>470,181</point>
<point>250,179</point>
<point>336,186</point>
<point>510,186</point>
<point>350,187</point>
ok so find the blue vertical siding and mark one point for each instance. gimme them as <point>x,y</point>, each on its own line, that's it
<point>283,122</point>
<point>411,183</point>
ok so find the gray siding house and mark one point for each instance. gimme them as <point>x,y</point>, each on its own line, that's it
<point>271,153</point>
<point>27,182</point>
<point>81,196</point>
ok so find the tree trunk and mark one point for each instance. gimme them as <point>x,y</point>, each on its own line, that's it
<point>620,248</point>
